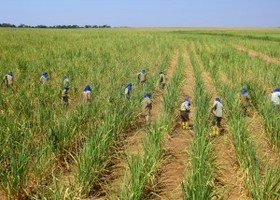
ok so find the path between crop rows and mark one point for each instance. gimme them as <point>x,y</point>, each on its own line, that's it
<point>177,146</point>
<point>3,196</point>
<point>256,128</point>
<point>253,77</point>
<point>207,47</point>
<point>67,177</point>
<point>132,143</point>
<point>264,150</point>
<point>254,53</point>
<point>228,173</point>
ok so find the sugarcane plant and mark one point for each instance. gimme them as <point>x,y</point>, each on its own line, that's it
<point>141,170</point>
<point>198,182</point>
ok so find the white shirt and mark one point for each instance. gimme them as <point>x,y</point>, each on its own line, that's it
<point>87,95</point>
<point>219,109</point>
<point>126,91</point>
<point>43,79</point>
<point>162,78</point>
<point>185,106</point>
<point>9,79</point>
<point>65,81</point>
<point>275,98</point>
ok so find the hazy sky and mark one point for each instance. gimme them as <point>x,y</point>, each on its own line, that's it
<point>142,12</point>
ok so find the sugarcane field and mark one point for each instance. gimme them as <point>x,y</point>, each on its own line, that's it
<point>140,113</point>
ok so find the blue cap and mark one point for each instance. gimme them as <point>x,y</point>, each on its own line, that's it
<point>66,87</point>
<point>148,94</point>
<point>218,99</point>
<point>45,74</point>
<point>244,91</point>
<point>129,86</point>
<point>187,99</point>
<point>87,88</point>
<point>276,90</point>
<point>142,71</point>
<point>11,73</point>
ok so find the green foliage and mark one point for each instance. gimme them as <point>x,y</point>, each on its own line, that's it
<point>81,135</point>
<point>41,140</point>
<point>199,179</point>
<point>257,182</point>
<point>142,170</point>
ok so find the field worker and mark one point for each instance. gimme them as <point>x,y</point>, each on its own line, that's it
<point>65,80</point>
<point>217,110</point>
<point>184,112</point>
<point>44,77</point>
<point>142,77</point>
<point>162,80</point>
<point>245,100</point>
<point>127,90</point>
<point>65,95</point>
<point>147,106</point>
<point>8,79</point>
<point>87,94</point>
<point>275,97</point>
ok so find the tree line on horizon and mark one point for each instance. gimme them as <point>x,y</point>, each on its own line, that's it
<point>55,26</point>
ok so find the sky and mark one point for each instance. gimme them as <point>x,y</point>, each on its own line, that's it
<point>143,13</point>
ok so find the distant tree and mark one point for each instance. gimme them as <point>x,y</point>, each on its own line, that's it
<point>7,25</point>
<point>41,26</point>
<point>23,26</point>
<point>74,26</point>
<point>55,26</point>
<point>105,26</point>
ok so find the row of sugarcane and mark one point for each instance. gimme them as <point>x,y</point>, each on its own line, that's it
<point>89,166</point>
<point>142,168</point>
<point>261,183</point>
<point>35,135</point>
<point>199,178</point>
<point>270,48</point>
<point>93,156</point>
<point>260,84</point>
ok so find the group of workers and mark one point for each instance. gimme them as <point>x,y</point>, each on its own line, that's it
<point>216,109</point>
<point>142,78</point>
<point>9,77</point>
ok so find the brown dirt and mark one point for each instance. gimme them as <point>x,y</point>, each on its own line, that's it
<point>3,195</point>
<point>132,143</point>
<point>254,77</point>
<point>207,47</point>
<point>256,127</point>
<point>199,45</point>
<point>229,176</point>
<point>115,169</point>
<point>264,150</point>
<point>205,74</point>
<point>176,146</point>
<point>254,53</point>
<point>224,78</point>
<point>157,101</point>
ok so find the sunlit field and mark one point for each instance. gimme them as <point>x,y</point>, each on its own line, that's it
<point>104,149</point>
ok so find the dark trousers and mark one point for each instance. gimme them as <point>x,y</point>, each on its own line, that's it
<point>217,121</point>
<point>185,115</point>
